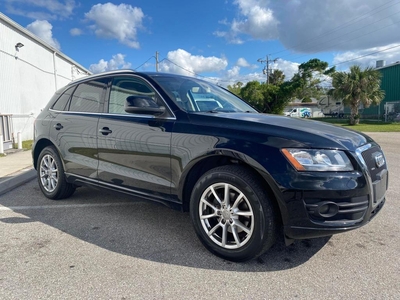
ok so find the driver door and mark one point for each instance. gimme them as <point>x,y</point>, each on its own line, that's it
<point>134,150</point>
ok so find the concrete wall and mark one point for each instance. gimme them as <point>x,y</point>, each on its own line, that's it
<point>30,75</point>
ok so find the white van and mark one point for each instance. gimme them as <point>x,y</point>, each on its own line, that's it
<point>298,112</point>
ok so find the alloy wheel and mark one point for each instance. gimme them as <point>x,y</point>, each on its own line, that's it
<point>49,173</point>
<point>226,215</point>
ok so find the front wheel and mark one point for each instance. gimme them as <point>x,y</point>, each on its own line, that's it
<point>232,214</point>
<point>51,177</point>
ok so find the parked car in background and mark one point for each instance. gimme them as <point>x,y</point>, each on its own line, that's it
<point>298,112</point>
<point>245,177</point>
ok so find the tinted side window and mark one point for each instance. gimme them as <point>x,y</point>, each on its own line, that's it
<point>123,87</point>
<point>87,97</point>
<point>63,100</point>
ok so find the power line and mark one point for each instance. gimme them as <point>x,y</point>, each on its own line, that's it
<point>145,62</point>
<point>267,60</point>
<point>194,73</point>
<point>166,59</point>
<point>340,26</point>
<point>368,54</point>
<point>219,80</point>
<point>368,33</point>
<point>181,67</point>
<point>354,38</point>
<point>189,71</point>
<point>266,69</point>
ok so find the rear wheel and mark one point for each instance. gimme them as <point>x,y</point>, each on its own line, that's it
<point>232,214</point>
<point>51,177</point>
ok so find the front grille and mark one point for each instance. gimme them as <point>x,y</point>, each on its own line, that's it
<point>353,210</point>
<point>369,159</point>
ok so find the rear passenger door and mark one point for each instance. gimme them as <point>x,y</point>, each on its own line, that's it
<point>74,127</point>
<point>134,149</point>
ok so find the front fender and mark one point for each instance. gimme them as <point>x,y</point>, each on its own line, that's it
<point>216,157</point>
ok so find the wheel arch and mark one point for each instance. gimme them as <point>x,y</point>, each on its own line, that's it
<point>39,146</point>
<point>51,179</point>
<point>218,158</point>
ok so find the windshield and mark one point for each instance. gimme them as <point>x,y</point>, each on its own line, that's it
<point>194,95</point>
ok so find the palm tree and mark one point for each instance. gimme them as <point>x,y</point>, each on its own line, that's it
<point>276,77</point>
<point>358,87</point>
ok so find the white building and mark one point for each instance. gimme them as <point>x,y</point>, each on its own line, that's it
<point>31,71</point>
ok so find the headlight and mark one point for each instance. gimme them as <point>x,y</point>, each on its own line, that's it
<point>318,160</point>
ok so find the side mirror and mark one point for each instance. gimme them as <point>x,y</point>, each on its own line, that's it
<point>143,105</point>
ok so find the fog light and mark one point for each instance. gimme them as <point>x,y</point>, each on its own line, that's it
<point>327,209</point>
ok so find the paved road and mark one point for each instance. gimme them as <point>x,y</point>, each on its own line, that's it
<point>102,246</point>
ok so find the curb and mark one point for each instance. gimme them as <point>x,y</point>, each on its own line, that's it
<point>17,179</point>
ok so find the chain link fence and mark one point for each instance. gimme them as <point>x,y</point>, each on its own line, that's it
<point>392,111</point>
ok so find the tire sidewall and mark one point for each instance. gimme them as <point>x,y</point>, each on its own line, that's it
<point>255,244</point>
<point>52,152</point>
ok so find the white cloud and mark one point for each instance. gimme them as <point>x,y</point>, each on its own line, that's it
<point>289,68</point>
<point>338,25</point>
<point>116,62</point>
<point>242,62</point>
<point>54,9</point>
<point>185,63</point>
<point>259,21</point>
<point>233,75</point>
<point>75,32</point>
<point>182,62</point>
<point>316,26</point>
<point>43,29</point>
<point>255,19</point>
<point>229,36</point>
<point>368,57</point>
<point>119,22</point>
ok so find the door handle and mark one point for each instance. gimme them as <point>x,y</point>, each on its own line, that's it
<point>58,126</point>
<point>105,131</point>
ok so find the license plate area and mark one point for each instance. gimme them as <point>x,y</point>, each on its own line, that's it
<point>380,186</point>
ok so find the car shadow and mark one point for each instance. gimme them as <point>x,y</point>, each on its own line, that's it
<point>141,229</point>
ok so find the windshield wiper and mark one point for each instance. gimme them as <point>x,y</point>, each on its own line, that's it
<point>227,111</point>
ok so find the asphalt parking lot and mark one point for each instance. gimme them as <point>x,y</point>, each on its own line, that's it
<point>97,245</point>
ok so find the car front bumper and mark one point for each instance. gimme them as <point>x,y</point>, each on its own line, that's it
<point>336,202</point>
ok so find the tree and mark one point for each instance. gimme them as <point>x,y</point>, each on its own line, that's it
<point>358,87</point>
<point>277,77</point>
<point>274,96</point>
<point>268,98</point>
<point>253,93</point>
<point>309,78</point>
<point>272,103</point>
<point>235,88</point>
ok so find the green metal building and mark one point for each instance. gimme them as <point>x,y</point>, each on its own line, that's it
<point>391,85</point>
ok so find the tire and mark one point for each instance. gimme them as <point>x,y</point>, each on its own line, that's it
<point>232,214</point>
<point>51,177</point>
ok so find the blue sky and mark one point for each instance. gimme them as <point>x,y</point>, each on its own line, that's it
<point>217,39</point>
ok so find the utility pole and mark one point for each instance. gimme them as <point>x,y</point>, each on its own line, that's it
<point>267,61</point>
<point>156,61</point>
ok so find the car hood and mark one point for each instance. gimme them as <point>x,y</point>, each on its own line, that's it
<point>304,132</point>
